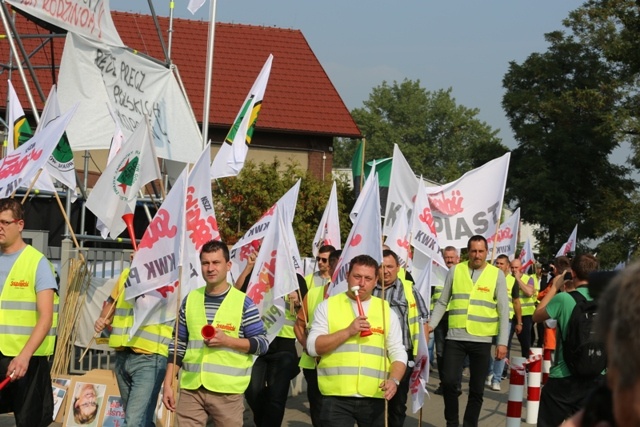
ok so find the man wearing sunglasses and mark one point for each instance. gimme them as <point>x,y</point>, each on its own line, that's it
<point>321,276</point>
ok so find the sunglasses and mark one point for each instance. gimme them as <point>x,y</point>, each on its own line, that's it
<point>322,259</point>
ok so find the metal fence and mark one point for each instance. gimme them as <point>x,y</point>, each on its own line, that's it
<point>104,264</point>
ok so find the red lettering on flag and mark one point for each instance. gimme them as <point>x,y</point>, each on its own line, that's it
<point>158,228</point>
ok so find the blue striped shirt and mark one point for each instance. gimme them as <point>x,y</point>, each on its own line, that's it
<point>251,328</point>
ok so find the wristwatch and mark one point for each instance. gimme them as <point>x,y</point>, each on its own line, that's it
<point>395,380</point>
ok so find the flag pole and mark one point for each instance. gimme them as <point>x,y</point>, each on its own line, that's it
<point>208,72</point>
<point>384,334</point>
<point>364,147</point>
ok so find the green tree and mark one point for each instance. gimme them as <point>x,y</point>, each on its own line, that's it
<point>440,139</point>
<point>611,28</point>
<point>562,107</point>
<point>241,201</point>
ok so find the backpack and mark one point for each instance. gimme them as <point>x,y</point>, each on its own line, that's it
<point>583,353</point>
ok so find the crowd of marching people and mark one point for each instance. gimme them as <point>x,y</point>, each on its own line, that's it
<point>359,347</point>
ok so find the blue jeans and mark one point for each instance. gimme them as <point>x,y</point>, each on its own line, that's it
<point>139,379</point>
<point>496,366</point>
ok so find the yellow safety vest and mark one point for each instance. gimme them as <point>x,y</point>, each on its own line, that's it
<point>474,307</point>
<point>18,310</point>
<point>528,303</point>
<point>220,370</point>
<point>435,296</point>
<point>355,367</point>
<point>289,320</point>
<point>510,282</point>
<point>314,281</point>
<point>150,338</point>
<point>314,297</point>
<point>413,315</point>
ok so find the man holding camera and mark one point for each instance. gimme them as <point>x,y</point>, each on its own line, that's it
<point>563,393</point>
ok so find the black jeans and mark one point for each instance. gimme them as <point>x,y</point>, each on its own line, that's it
<point>563,397</point>
<point>479,356</point>
<point>338,411</point>
<point>269,387</point>
<point>524,337</point>
<point>30,397</point>
<point>398,404</point>
<point>314,396</point>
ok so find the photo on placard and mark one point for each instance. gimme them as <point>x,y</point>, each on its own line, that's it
<point>64,382</point>
<point>113,412</point>
<point>58,397</point>
<point>86,403</point>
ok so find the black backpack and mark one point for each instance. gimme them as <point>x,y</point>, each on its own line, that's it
<point>584,355</point>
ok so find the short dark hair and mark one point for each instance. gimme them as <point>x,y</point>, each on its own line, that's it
<point>365,260</point>
<point>583,265</point>
<point>215,246</point>
<point>561,264</point>
<point>335,255</point>
<point>326,248</point>
<point>477,238</point>
<point>14,206</point>
<point>389,252</point>
<point>502,256</point>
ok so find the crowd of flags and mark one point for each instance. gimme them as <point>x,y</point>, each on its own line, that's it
<point>415,220</point>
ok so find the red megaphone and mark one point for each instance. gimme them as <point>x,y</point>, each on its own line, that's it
<point>128,219</point>
<point>208,332</point>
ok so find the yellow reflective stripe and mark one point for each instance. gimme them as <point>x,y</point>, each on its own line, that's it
<point>482,319</point>
<point>482,303</point>
<point>460,296</point>
<point>458,312</point>
<point>124,312</point>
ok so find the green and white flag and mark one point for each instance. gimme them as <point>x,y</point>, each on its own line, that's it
<point>116,191</point>
<point>60,164</point>
<point>233,152</point>
<point>19,129</point>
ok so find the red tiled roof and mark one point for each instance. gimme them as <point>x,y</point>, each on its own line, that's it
<point>299,98</point>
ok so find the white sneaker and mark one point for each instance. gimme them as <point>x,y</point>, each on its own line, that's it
<point>495,386</point>
<point>488,381</point>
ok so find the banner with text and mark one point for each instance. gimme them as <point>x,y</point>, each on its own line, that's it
<point>506,239</point>
<point>90,18</point>
<point>95,74</point>
<point>470,205</point>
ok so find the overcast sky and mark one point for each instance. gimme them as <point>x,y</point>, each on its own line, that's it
<point>465,45</point>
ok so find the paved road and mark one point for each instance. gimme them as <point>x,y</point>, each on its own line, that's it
<point>493,410</point>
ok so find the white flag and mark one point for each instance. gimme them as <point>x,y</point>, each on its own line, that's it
<point>471,204</point>
<point>526,256</point>
<point>357,206</point>
<point>194,5</point>
<point>403,186</point>
<point>200,225</point>
<point>60,164</point>
<point>570,245</point>
<point>329,228</point>
<point>21,166</point>
<point>398,238</point>
<point>423,231</point>
<point>116,191</point>
<point>365,238</point>
<point>116,143</point>
<point>19,129</point>
<point>243,247</point>
<point>420,373</point>
<point>274,275</point>
<point>506,239</point>
<point>233,152</point>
